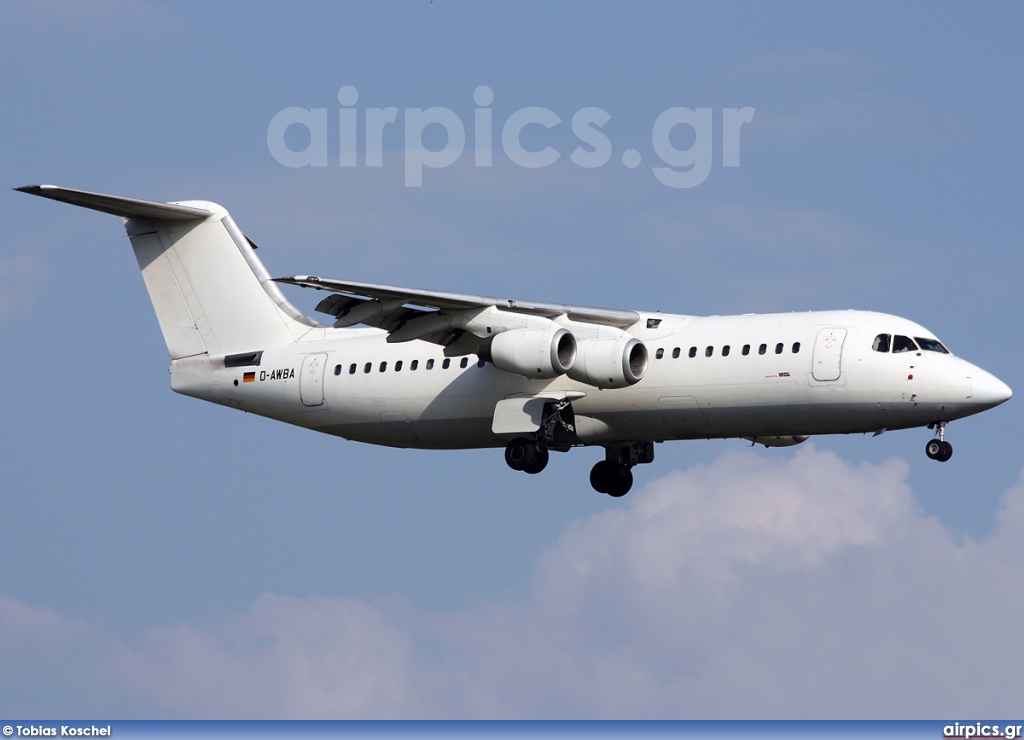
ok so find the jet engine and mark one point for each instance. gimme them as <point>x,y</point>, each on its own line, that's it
<point>532,353</point>
<point>779,441</point>
<point>610,363</point>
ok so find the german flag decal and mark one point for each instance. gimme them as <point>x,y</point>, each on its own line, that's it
<point>249,377</point>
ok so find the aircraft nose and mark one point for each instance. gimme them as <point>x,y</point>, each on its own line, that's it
<point>987,390</point>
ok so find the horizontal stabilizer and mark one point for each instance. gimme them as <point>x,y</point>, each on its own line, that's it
<point>117,205</point>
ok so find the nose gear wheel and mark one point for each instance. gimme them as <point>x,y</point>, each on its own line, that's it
<point>938,448</point>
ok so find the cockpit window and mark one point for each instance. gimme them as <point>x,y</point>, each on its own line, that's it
<point>903,344</point>
<point>881,343</point>
<point>932,345</point>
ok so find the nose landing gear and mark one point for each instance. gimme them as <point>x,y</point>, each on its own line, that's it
<point>938,448</point>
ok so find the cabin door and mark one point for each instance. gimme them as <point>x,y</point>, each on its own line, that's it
<point>828,354</point>
<point>311,379</point>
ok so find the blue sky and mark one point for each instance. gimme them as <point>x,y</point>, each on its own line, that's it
<point>164,557</point>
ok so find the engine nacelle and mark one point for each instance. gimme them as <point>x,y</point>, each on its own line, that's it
<point>532,353</point>
<point>610,363</point>
<point>779,441</point>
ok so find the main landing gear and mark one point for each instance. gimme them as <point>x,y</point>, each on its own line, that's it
<point>938,448</point>
<point>557,431</point>
<point>526,455</point>
<point>611,478</point>
<point>614,474</point>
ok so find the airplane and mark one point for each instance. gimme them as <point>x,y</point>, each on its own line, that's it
<point>425,369</point>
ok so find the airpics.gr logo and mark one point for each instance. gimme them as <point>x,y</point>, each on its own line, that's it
<point>980,730</point>
<point>678,168</point>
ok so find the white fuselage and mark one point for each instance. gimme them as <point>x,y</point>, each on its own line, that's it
<point>783,374</point>
<point>450,370</point>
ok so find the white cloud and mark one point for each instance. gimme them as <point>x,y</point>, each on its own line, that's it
<point>760,585</point>
<point>25,626</point>
<point>286,657</point>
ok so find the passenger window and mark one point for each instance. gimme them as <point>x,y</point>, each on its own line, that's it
<point>352,369</point>
<point>464,362</point>
<point>398,366</point>
<point>796,347</point>
<point>675,354</point>
<point>709,351</point>
<point>693,351</point>
<point>480,363</point>
<point>778,348</point>
<point>746,350</point>
<point>659,354</point>
<point>447,363</point>
<point>430,364</point>
<point>337,369</point>
<point>367,367</point>
<point>414,364</point>
<point>762,349</point>
<point>932,345</point>
<point>384,366</point>
<point>881,343</point>
<point>901,343</point>
<point>725,351</point>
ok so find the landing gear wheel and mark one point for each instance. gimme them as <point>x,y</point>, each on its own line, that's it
<point>521,453</point>
<point>938,449</point>
<point>614,480</point>
<point>599,476</point>
<point>539,463</point>
<point>621,483</point>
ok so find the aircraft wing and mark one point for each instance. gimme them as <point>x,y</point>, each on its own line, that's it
<point>411,313</point>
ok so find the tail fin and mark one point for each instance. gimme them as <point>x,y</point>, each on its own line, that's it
<point>210,291</point>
